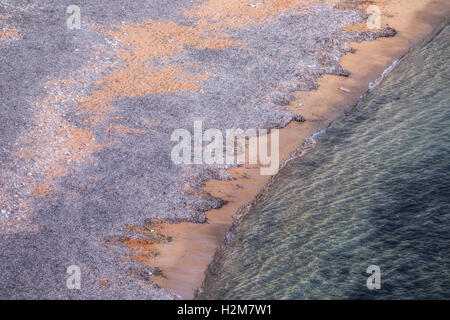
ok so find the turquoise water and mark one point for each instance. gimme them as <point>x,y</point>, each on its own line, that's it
<point>375,190</point>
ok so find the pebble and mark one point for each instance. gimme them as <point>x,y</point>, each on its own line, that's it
<point>298,118</point>
<point>344,89</point>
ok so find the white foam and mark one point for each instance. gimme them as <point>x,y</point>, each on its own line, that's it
<point>314,138</point>
<point>372,85</point>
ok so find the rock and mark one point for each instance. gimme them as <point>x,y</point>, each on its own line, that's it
<point>298,118</point>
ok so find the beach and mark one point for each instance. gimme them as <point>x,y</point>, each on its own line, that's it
<point>87,176</point>
<point>185,261</point>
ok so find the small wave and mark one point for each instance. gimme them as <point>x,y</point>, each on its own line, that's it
<point>375,83</point>
<point>315,137</point>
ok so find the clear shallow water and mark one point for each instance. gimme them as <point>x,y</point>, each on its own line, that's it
<point>375,190</point>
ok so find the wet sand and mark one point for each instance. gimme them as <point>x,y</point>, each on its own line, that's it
<point>185,259</point>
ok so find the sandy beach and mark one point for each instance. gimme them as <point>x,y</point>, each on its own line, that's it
<point>86,174</point>
<point>186,259</point>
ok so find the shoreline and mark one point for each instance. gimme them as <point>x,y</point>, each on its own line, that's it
<point>86,161</point>
<point>185,260</point>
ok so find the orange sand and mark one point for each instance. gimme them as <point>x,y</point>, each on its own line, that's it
<point>9,34</point>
